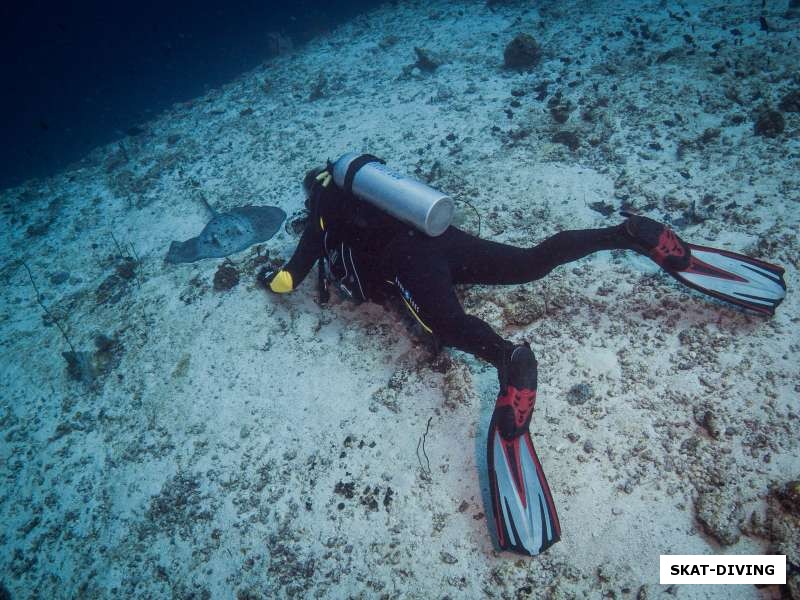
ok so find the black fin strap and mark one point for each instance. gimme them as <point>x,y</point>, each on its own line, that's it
<point>505,349</point>
<point>353,168</point>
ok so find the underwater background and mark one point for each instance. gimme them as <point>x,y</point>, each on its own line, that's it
<point>83,74</point>
<point>167,430</point>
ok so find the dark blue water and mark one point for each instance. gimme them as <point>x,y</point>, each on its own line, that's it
<point>78,75</point>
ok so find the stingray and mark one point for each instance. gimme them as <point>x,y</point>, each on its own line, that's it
<point>228,232</point>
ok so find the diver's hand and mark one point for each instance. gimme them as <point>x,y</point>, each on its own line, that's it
<point>265,277</point>
<point>276,281</point>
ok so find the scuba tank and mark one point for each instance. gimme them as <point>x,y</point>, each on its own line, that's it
<point>406,199</point>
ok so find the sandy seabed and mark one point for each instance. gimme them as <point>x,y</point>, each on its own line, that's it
<point>225,443</point>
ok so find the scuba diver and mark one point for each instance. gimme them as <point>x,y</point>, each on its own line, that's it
<point>378,235</point>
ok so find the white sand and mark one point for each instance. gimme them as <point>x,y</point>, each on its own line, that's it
<point>206,461</point>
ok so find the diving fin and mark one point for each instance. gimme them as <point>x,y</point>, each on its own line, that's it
<point>741,280</point>
<point>735,278</point>
<point>523,507</point>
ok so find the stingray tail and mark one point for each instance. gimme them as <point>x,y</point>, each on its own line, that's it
<point>207,205</point>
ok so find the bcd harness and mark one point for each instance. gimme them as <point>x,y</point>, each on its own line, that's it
<point>337,266</point>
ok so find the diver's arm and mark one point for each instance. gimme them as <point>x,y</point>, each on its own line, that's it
<point>305,255</point>
<point>310,247</point>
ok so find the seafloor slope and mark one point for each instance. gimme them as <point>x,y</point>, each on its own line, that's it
<point>214,443</point>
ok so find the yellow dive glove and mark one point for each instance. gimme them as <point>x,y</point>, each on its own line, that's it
<point>281,282</point>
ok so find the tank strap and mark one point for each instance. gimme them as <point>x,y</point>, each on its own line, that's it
<point>353,168</point>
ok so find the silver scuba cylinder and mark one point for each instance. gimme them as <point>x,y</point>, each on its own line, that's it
<point>404,198</point>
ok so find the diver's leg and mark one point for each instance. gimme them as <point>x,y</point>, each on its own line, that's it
<point>473,260</point>
<point>736,278</point>
<point>424,269</point>
<point>425,286</point>
<point>522,505</point>
<point>523,508</point>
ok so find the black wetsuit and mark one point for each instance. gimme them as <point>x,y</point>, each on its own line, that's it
<point>374,255</point>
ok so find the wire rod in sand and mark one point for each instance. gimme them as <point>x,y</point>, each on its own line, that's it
<point>477,214</point>
<point>44,308</point>
<point>425,470</point>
